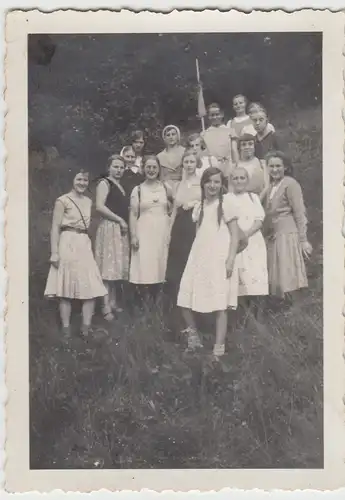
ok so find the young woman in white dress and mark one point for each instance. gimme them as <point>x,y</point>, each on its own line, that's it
<point>150,208</point>
<point>210,279</point>
<point>252,261</point>
<point>73,273</point>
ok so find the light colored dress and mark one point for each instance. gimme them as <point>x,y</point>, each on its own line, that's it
<point>204,286</point>
<point>218,144</point>
<point>77,276</point>
<point>252,261</point>
<point>285,230</point>
<point>171,166</point>
<point>148,263</point>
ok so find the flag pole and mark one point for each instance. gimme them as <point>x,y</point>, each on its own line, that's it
<point>199,83</point>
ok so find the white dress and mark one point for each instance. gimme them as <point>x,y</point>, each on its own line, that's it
<point>148,263</point>
<point>252,261</point>
<point>77,276</point>
<point>204,286</point>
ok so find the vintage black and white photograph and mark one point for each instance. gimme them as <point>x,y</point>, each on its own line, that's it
<point>176,271</point>
<point>175,223</point>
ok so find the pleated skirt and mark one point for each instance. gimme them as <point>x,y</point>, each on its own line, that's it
<point>286,267</point>
<point>77,276</point>
<point>112,251</point>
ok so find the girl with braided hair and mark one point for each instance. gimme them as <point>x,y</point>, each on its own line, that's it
<point>210,280</point>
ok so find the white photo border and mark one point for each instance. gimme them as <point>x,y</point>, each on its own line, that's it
<point>19,477</point>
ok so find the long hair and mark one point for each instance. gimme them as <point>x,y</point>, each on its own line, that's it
<point>209,172</point>
<point>288,168</point>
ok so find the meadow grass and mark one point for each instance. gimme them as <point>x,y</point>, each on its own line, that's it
<point>130,397</point>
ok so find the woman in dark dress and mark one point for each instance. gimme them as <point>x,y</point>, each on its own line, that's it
<point>183,231</point>
<point>112,245</point>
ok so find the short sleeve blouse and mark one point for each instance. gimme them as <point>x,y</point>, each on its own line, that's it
<point>258,209</point>
<point>73,216</point>
<point>231,208</point>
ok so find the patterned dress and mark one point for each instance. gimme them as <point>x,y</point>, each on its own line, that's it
<point>285,230</point>
<point>112,247</point>
<point>252,261</point>
<point>77,276</point>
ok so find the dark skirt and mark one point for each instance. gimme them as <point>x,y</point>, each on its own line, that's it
<point>182,237</point>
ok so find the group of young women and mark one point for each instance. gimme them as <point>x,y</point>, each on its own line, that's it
<point>215,222</point>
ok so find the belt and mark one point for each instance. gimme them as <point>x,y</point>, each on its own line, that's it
<point>74,229</point>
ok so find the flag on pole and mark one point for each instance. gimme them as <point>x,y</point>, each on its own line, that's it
<point>201,103</point>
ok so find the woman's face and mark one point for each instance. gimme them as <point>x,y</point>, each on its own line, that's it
<point>138,146</point>
<point>276,168</point>
<point>239,105</point>
<point>116,169</point>
<point>239,180</point>
<point>129,157</point>
<point>80,183</point>
<point>171,137</point>
<point>189,164</point>
<point>151,169</point>
<point>213,186</point>
<point>259,120</point>
<point>195,145</point>
<point>247,149</point>
<point>215,116</point>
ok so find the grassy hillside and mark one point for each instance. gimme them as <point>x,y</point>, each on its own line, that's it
<point>130,397</point>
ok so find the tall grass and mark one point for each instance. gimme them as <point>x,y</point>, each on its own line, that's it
<point>131,398</point>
